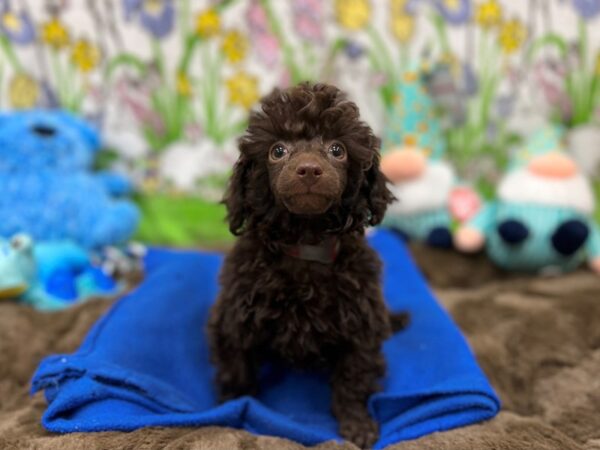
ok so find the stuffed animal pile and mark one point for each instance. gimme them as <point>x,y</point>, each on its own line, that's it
<point>542,219</point>
<point>50,195</point>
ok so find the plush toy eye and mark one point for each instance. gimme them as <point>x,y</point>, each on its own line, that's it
<point>278,151</point>
<point>337,151</point>
<point>17,243</point>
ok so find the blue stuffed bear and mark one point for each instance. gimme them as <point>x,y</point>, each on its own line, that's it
<point>47,188</point>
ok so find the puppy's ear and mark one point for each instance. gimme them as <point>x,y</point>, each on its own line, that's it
<point>236,195</point>
<point>375,189</point>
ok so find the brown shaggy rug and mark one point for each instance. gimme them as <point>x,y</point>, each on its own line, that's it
<point>538,340</point>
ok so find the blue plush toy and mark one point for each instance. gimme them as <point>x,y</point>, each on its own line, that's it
<point>542,220</point>
<point>48,276</point>
<point>422,181</point>
<point>47,189</point>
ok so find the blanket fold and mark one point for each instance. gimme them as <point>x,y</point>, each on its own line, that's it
<point>146,363</point>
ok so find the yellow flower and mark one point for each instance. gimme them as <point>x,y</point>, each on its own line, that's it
<point>403,27</point>
<point>23,91</point>
<point>208,23</point>
<point>353,14</point>
<point>512,35</point>
<point>598,64</point>
<point>85,55</point>
<point>183,85</point>
<point>235,46</point>
<point>397,6</point>
<point>11,21</point>
<point>55,34</point>
<point>489,14</point>
<point>243,89</point>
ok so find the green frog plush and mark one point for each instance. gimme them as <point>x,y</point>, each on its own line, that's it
<point>542,219</point>
<point>48,276</point>
<point>429,199</point>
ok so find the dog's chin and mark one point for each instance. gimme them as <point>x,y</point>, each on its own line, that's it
<point>307,204</point>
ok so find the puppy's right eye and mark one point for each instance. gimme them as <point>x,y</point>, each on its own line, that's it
<point>278,151</point>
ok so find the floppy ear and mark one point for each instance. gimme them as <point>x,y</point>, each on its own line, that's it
<point>375,189</point>
<point>236,196</point>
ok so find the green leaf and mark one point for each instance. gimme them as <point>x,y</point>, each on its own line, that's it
<point>125,60</point>
<point>548,40</point>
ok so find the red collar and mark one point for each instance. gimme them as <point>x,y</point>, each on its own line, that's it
<point>324,252</point>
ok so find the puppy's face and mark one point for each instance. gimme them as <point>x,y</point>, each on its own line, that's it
<point>308,176</point>
<point>306,154</point>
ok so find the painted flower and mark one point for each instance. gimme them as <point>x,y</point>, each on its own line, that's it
<point>234,46</point>
<point>308,19</point>
<point>403,27</point>
<point>256,17</point>
<point>242,89</point>
<point>208,23</point>
<point>587,9</point>
<point>353,49</point>
<point>512,35</point>
<point>18,28</point>
<point>156,16</point>
<point>403,6</point>
<point>456,12</point>
<point>85,55</point>
<point>23,91</point>
<point>267,47</point>
<point>353,14</point>
<point>264,43</point>
<point>55,34</point>
<point>489,14</point>
<point>183,85</point>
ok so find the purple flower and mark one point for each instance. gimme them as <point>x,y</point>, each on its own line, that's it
<point>265,43</point>
<point>353,50</point>
<point>17,27</point>
<point>308,19</point>
<point>587,9</point>
<point>455,12</point>
<point>156,16</point>
<point>256,17</point>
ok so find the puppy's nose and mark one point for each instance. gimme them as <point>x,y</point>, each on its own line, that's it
<point>309,173</point>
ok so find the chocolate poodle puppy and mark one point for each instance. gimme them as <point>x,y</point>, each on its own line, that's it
<point>301,286</point>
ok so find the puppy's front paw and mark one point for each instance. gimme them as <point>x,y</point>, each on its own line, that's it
<point>364,432</point>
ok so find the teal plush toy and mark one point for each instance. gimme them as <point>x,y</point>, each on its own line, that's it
<point>542,219</point>
<point>429,199</point>
<point>48,276</point>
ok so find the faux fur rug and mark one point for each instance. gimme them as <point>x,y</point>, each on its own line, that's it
<point>537,339</point>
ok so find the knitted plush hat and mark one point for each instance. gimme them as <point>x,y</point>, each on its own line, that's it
<point>548,139</point>
<point>412,121</point>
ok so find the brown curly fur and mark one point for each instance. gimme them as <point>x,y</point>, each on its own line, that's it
<point>302,313</point>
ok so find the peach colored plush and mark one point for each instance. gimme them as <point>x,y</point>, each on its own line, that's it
<point>403,164</point>
<point>553,165</point>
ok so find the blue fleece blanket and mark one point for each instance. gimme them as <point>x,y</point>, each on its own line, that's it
<point>146,363</point>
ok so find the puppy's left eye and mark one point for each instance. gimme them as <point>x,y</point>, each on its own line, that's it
<point>337,151</point>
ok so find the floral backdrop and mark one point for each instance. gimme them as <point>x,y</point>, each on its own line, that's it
<point>171,82</point>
